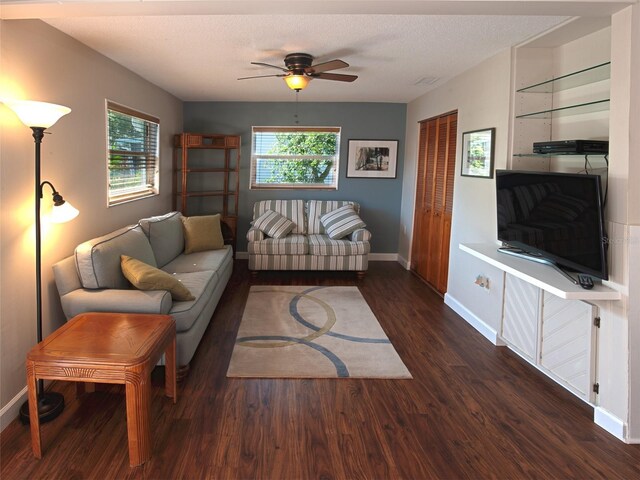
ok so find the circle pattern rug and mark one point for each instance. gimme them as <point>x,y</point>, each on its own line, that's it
<point>312,332</point>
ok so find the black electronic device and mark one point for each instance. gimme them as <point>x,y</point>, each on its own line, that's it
<point>568,147</point>
<point>585,281</point>
<point>556,217</point>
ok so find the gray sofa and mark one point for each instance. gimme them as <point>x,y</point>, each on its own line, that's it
<point>307,246</point>
<point>91,280</point>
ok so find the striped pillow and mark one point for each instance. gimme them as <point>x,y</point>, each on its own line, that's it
<point>341,222</point>
<point>273,224</point>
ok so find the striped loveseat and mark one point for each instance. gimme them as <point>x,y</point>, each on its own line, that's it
<point>308,245</point>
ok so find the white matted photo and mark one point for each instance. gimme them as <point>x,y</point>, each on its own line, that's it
<point>372,158</point>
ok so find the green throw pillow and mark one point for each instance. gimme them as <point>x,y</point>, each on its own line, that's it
<point>146,277</point>
<point>202,233</point>
<point>341,222</point>
<point>273,224</point>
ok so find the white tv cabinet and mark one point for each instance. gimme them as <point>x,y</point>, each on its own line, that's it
<point>538,274</point>
<point>548,320</point>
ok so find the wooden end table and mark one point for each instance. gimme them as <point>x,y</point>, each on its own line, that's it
<point>108,348</point>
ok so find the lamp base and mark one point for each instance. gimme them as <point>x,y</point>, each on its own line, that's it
<point>50,405</point>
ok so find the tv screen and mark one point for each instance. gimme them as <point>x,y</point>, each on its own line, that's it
<point>556,216</point>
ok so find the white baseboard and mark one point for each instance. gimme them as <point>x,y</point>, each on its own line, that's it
<point>242,255</point>
<point>383,257</point>
<point>488,332</point>
<point>10,411</point>
<point>610,423</point>
<point>404,262</point>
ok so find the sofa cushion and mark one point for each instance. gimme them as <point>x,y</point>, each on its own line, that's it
<point>202,233</point>
<point>317,208</point>
<point>291,209</point>
<point>165,234</point>
<point>323,245</point>
<point>146,277</point>
<point>273,224</point>
<point>341,222</point>
<point>211,260</point>
<point>202,285</point>
<point>289,245</point>
<point>98,260</point>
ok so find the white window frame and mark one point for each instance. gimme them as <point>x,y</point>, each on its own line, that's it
<point>125,195</point>
<point>297,186</point>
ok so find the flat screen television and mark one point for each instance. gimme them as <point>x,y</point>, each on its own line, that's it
<point>557,217</point>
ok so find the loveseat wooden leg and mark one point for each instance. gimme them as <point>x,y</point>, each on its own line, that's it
<point>360,275</point>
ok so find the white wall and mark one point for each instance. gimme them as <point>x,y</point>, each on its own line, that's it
<point>626,142</point>
<point>481,97</point>
<point>40,63</point>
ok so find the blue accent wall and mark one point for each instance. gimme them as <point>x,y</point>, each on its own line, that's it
<point>380,199</point>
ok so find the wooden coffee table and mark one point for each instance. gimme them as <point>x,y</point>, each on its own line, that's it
<point>108,348</point>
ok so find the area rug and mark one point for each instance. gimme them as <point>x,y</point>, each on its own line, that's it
<point>312,332</point>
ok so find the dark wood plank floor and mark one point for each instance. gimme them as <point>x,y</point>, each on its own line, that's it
<point>471,411</point>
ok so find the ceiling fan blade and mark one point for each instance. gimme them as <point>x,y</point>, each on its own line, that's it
<point>335,76</point>
<point>269,65</point>
<point>323,67</point>
<point>262,76</point>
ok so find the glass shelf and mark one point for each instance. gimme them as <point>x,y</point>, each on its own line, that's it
<point>559,154</point>
<point>589,107</point>
<point>593,74</point>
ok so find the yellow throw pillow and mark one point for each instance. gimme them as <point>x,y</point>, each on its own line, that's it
<point>202,233</point>
<point>146,277</point>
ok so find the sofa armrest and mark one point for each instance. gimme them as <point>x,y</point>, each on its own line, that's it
<point>360,235</point>
<point>116,300</point>
<point>255,235</point>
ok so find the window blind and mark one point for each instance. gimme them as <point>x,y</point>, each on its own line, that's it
<point>295,157</point>
<point>133,153</point>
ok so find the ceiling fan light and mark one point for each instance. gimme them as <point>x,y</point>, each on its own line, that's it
<point>297,82</point>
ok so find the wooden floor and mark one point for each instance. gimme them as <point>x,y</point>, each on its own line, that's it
<point>472,410</point>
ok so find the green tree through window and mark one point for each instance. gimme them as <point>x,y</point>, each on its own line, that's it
<point>133,154</point>
<point>295,158</point>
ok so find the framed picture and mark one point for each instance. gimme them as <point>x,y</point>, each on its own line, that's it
<point>477,153</point>
<point>372,158</point>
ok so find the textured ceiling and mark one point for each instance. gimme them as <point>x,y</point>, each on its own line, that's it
<point>400,49</point>
<point>200,57</point>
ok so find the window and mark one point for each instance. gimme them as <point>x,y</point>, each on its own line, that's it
<point>133,154</point>
<point>295,157</point>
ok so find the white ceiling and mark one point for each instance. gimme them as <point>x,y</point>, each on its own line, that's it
<point>198,57</point>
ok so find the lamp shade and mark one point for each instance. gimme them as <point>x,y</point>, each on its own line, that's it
<point>297,82</point>
<point>63,213</point>
<point>37,114</point>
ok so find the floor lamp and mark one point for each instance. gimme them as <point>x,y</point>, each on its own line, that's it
<point>39,116</point>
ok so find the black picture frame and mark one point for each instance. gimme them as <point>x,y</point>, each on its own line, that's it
<point>478,152</point>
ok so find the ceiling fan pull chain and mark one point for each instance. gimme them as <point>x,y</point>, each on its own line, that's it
<point>295,116</point>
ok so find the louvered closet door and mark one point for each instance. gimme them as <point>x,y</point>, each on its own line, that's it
<point>434,200</point>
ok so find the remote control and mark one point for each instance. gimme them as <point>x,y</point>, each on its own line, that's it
<point>585,281</point>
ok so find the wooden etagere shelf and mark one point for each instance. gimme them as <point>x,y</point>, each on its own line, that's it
<point>218,175</point>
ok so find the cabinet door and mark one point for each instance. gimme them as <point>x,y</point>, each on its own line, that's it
<point>568,342</point>
<point>520,316</point>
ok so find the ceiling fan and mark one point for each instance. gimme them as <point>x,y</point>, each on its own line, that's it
<point>299,71</point>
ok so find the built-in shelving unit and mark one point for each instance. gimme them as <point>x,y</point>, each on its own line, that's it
<point>545,110</point>
<point>578,109</point>
<point>585,76</point>
<point>538,274</point>
<point>207,166</point>
<point>560,154</point>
